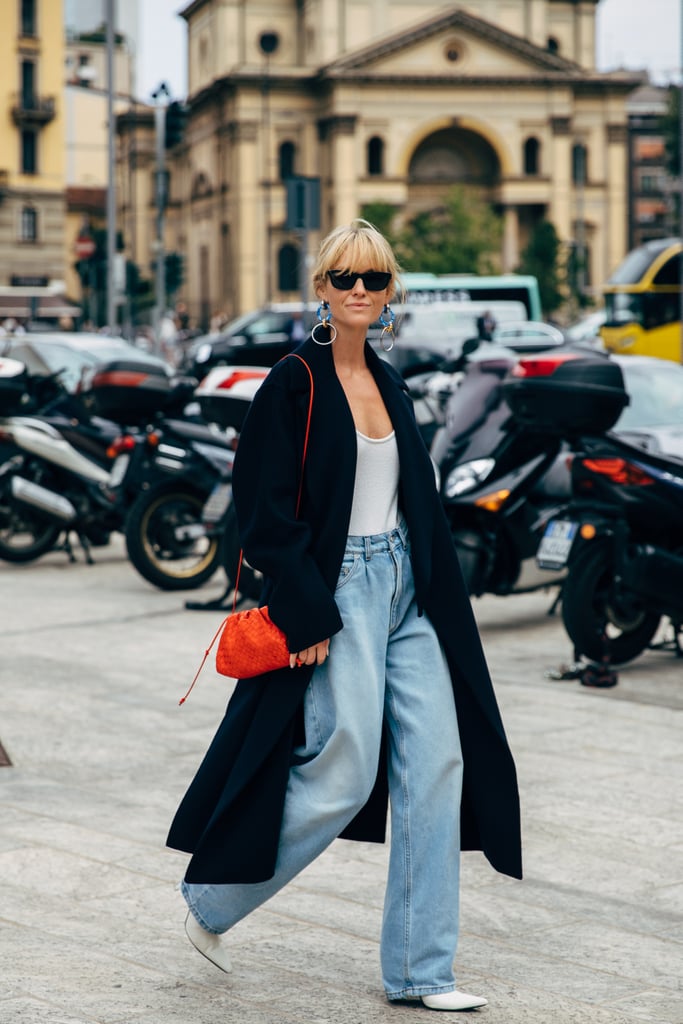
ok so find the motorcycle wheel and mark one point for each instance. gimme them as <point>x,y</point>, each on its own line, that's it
<point>251,580</point>
<point>24,534</point>
<point>156,550</point>
<point>600,620</point>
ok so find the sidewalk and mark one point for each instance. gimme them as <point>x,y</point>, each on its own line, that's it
<point>93,663</point>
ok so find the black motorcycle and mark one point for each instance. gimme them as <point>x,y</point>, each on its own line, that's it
<point>56,464</point>
<point>620,537</point>
<point>171,461</point>
<point>500,482</point>
<point>622,540</point>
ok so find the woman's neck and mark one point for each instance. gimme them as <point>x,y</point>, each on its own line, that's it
<point>348,351</point>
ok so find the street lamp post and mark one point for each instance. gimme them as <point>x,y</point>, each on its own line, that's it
<point>268,43</point>
<point>110,15</point>
<point>160,94</point>
<point>680,176</point>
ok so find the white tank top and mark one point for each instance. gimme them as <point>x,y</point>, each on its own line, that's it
<point>375,493</point>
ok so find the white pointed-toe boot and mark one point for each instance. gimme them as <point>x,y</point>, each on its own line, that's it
<point>453,1001</point>
<point>207,943</point>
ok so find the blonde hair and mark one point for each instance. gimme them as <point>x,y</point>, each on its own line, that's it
<point>356,246</point>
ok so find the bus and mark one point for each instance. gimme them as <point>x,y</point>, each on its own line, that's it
<point>643,302</point>
<point>425,288</point>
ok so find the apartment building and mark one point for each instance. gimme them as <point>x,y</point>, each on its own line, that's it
<point>32,166</point>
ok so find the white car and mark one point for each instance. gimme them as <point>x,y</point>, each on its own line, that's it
<point>529,333</point>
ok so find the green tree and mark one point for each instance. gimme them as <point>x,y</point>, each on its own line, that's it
<point>382,216</point>
<point>463,236</point>
<point>541,258</point>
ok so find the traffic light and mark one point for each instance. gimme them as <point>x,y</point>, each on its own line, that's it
<point>175,271</point>
<point>176,118</point>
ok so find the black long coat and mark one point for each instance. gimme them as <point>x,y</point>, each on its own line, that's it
<point>229,819</point>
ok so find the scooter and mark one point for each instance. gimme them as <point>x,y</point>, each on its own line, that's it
<point>621,539</point>
<point>500,483</point>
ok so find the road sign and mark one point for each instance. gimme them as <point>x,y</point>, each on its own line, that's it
<point>84,247</point>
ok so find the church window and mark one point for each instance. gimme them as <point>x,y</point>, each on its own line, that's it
<point>287,160</point>
<point>532,149</point>
<point>376,155</point>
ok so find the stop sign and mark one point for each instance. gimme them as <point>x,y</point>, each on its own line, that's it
<point>85,247</point>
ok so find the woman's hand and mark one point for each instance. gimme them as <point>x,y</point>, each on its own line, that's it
<point>311,655</point>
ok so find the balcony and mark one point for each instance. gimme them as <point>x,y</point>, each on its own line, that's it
<point>29,110</point>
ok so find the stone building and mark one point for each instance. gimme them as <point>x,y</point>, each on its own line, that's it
<point>393,101</point>
<point>32,208</point>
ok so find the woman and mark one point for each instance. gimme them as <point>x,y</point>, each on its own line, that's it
<point>387,689</point>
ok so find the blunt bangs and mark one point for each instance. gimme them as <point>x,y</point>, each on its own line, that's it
<point>355,247</point>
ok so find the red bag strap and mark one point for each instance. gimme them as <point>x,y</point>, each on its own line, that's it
<point>207,652</point>
<point>292,355</point>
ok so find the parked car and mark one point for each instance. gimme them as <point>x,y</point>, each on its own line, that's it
<point>258,338</point>
<point>533,334</point>
<point>586,330</point>
<point>72,353</point>
<point>654,417</point>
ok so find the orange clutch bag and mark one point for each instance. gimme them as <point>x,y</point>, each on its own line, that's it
<point>251,644</point>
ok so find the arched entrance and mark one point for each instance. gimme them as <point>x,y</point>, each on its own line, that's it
<point>447,157</point>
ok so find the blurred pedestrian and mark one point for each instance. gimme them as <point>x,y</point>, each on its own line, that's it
<point>295,327</point>
<point>486,325</point>
<point>387,692</point>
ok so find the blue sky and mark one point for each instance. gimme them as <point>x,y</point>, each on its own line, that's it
<point>631,34</point>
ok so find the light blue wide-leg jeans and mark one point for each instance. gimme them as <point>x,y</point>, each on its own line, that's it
<point>385,665</point>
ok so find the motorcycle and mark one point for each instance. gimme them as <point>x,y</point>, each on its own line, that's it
<point>500,482</point>
<point>621,538</point>
<point>52,480</point>
<point>171,463</point>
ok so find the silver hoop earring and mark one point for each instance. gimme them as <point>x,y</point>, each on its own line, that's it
<point>387,317</point>
<point>325,324</point>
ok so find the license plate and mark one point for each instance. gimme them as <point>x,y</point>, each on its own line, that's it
<point>217,503</point>
<point>553,551</point>
<point>118,470</point>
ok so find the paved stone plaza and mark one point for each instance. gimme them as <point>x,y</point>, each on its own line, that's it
<point>93,663</point>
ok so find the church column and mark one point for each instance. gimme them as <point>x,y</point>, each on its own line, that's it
<point>561,162</point>
<point>339,135</point>
<point>510,239</point>
<point>248,230</point>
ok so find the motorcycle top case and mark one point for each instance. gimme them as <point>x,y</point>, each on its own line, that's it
<point>225,394</point>
<point>568,392</point>
<point>128,392</point>
<point>13,380</point>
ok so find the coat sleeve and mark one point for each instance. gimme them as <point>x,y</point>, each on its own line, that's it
<point>266,476</point>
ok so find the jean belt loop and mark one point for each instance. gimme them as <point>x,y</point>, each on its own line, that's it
<point>402,531</point>
<point>368,548</point>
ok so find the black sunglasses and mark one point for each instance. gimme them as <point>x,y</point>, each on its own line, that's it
<point>373,280</point>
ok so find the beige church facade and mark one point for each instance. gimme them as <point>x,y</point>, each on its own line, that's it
<point>393,102</point>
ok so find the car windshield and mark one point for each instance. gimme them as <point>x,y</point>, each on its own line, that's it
<point>656,393</point>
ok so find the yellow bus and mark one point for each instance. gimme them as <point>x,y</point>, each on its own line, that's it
<point>643,302</point>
